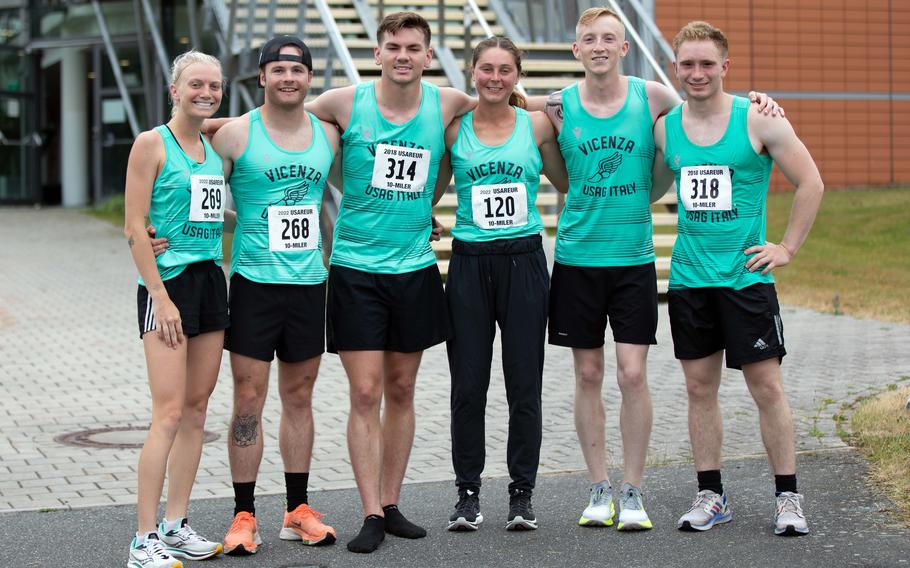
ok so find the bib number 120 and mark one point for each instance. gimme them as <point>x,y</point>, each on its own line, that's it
<point>496,211</point>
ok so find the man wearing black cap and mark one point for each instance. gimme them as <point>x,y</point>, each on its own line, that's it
<point>277,158</point>
<point>385,299</point>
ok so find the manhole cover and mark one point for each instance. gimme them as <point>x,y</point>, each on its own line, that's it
<point>115,438</point>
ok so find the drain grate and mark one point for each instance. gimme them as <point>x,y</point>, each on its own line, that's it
<point>119,437</point>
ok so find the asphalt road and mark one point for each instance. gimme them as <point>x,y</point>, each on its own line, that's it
<point>850,526</point>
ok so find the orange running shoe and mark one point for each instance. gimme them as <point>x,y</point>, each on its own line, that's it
<point>243,537</point>
<point>303,524</point>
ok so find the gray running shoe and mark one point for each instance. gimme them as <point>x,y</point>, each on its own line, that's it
<point>632,515</point>
<point>789,519</point>
<point>600,511</point>
<point>707,510</point>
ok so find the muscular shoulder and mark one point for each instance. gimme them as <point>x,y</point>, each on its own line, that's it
<point>454,103</point>
<point>768,129</point>
<point>334,105</point>
<point>542,127</point>
<point>230,140</point>
<point>149,145</point>
<point>660,98</point>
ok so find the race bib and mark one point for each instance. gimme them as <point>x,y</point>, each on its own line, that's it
<point>706,188</point>
<point>399,168</point>
<point>207,196</point>
<point>293,228</point>
<point>500,205</point>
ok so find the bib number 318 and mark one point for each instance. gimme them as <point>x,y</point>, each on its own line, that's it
<point>706,188</point>
<point>207,196</point>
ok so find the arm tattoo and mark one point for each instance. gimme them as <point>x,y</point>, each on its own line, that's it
<point>554,106</point>
<point>245,430</point>
<point>130,242</point>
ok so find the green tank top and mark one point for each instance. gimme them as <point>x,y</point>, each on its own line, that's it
<point>496,185</point>
<point>607,217</point>
<point>721,190</point>
<point>278,194</point>
<point>390,170</point>
<point>170,206</point>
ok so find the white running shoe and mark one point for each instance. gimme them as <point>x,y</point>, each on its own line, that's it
<point>789,519</point>
<point>707,510</point>
<point>151,554</point>
<point>600,510</point>
<point>632,515</point>
<point>184,542</point>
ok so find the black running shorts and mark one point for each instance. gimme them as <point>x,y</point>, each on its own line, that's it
<point>385,312</point>
<point>283,319</point>
<point>746,323</point>
<point>583,299</point>
<point>200,294</point>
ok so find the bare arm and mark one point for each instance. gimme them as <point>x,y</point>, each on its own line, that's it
<point>334,106</point>
<point>444,178</point>
<point>661,99</point>
<point>537,103</point>
<point>661,176</point>
<point>146,158</point>
<point>336,176</point>
<point>454,104</point>
<point>795,162</point>
<point>554,167</point>
<point>553,110</point>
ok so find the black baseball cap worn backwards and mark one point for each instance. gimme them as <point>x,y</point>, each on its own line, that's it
<point>270,51</point>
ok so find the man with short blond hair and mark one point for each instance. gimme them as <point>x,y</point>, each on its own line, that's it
<point>722,299</point>
<point>604,270</point>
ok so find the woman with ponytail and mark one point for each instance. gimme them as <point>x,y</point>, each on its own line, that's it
<point>498,274</point>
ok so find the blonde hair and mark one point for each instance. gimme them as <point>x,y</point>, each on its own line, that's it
<point>591,15</point>
<point>505,44</point>
<point>701,31</point>
<point>184,60</point>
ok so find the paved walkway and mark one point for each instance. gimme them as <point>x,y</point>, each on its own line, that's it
<point>70,360</point>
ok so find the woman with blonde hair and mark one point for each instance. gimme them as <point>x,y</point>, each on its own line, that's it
<point>175,179</point>
<point>498,274</point>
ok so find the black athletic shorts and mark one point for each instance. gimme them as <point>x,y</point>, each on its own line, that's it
<point>583,299</point>
<point>283,319</point>
<point>746,323</point>
<point>385,312</point>
<point>200,294</point>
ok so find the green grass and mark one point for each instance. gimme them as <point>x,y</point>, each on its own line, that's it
<point>857,258</point>
<point>881,431</point>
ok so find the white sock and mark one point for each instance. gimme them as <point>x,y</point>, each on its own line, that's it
<point>171,525</point>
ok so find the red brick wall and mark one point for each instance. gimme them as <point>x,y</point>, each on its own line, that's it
<point>832,46</point>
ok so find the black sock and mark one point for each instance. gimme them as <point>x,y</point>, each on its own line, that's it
<point>710,480</point>
<point>296,487</point>
<point>371,534</point>
<point>784,483</point>
<point>243,498</point>
<point>396,524</point>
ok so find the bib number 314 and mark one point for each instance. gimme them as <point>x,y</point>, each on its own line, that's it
<point>293,228</point>
<point>399,168</point>
<point>207,196</point>
<point>706,188</point>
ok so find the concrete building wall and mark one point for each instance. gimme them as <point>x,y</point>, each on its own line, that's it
<point>835,66</point>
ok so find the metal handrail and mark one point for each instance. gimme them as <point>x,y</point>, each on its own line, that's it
<point>115,68</point>
<point>334,35</point>
<point>645,17</point>
<point>641,45</point>
<point>156,38</point>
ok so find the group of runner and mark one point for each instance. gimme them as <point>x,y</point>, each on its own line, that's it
<point>613,142</point>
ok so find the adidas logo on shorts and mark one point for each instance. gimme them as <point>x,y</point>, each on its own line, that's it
<point>760,344</point>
